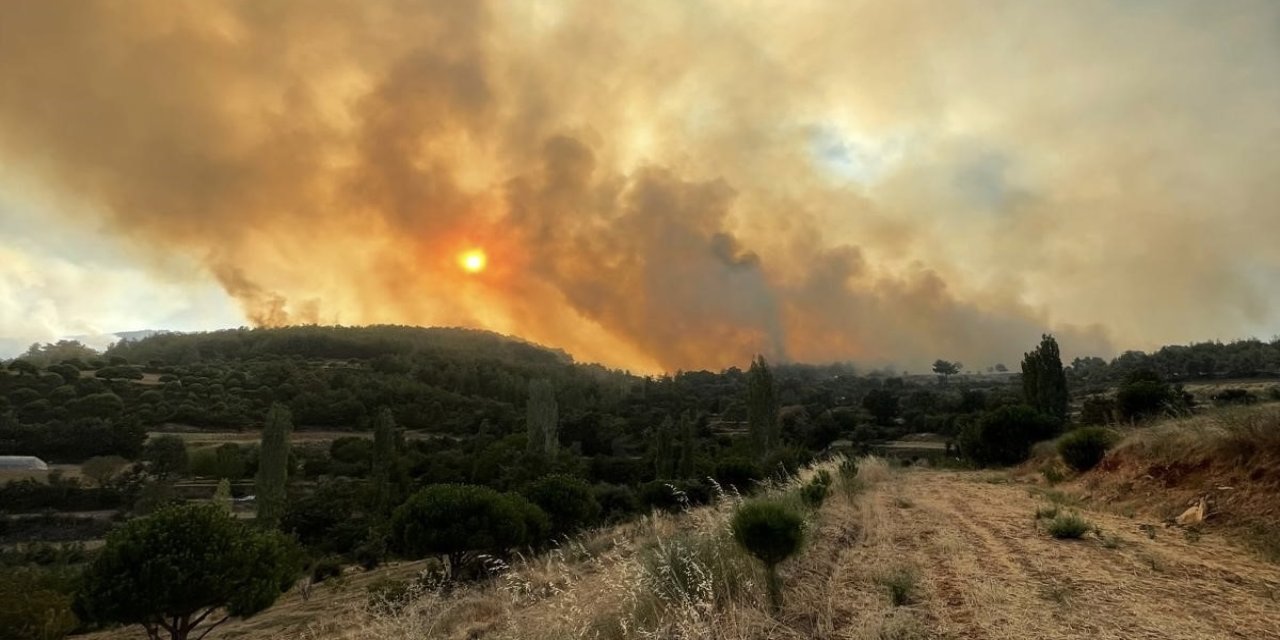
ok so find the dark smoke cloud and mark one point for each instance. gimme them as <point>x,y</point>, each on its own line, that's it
<point>644,177</point>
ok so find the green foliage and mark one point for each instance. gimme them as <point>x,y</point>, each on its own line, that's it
<point>1068,526</point>
<point>166,456</point>
<point>324,569</point>
<point>173,568</point>
<point>772,531</point>
<point>334,518</point>
<point>222,495</point>
<point>1047,512</point>
<point>814,493</point>
<point>688,447</point>
<point>384,460</point>
<point>902,583</point>
<point>1233,396</point>
<point>228,461</point>
<point>883,406</point>
<point>762,407</point>
<point>454,519</point>
<point>273,468</point>
<point>1144,395</point>
<point>1082,449</point>
<point>1044,382</point>
<point>739,473</point>
<point>1098,409</point>
<point>543,418</point>
<point>1005,436</point>
<point>35,604</point>
<point>946,369</point>
<point>569,502</point>
<point>664,450</point>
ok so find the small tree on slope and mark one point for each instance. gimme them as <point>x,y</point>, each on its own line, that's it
<point>174,570</point>
<point>772,532</point>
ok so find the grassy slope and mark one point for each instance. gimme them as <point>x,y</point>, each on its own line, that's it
<point>911,554</point>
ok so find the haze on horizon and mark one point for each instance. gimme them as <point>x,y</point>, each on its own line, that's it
<point>652,185</point>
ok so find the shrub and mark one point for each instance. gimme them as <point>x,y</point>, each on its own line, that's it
<point>901,583</point>
<point>1005,436</point>
<point>1084,448</point>
<point>1068,526</point>
<point>814,494</point>
<point>1047,512</point>
<point>1143,395</point>
<point>456,519</point>
<point>1233,395</point>
<point>568,502</point>
<point>617,502</point>
<point>772,532</point>
<point>34,604</point>
<point>740,473</point>
<point>325,569</point>
<point>849,468</point>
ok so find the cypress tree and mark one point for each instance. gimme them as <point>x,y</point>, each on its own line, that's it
<point>542,418</point>
<point>762,407</point>
<point>273,466</point>
<point>1044,383</point>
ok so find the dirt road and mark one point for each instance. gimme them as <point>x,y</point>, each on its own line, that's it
<point>983,568</point>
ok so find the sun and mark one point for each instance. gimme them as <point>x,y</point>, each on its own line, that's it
<point>472,260</point>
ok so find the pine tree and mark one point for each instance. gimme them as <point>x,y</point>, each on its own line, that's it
<point>1044,383</point>
<point>762,407</point>
<point>688,445</point>
<point>273,467</point>
<point>384,459</point>
<point>542,418</point>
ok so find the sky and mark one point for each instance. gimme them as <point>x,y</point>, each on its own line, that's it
<point>657,185</point>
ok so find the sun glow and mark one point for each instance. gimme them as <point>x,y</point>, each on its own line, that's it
<point>473,260</point>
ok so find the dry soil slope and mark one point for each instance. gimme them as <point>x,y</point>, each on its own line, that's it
<point>986,570</point>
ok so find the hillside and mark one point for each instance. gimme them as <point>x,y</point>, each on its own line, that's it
<point>906,554</point>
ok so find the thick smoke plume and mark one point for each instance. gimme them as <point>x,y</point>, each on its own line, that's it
<point>679,184</point>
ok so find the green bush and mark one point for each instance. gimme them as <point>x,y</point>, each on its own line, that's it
<point>1005,436</point>
<point>771,531</point>
<point>901,583</point>
<point>739,473</point>
<point>324,569</point>
<point>814,494</point>
<point>35,604</point>
<point>1084,448</point>
<point>1068,526</point>
<point>457,519</point>
<point>568,502</point>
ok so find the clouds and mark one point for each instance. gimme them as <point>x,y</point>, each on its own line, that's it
<point>676,184</point>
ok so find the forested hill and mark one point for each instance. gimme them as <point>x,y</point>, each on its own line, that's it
<point>334,343</point>
<point>440,379</point>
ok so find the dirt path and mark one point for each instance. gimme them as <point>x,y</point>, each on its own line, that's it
<point>984,569</point>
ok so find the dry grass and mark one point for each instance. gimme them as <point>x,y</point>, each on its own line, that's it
<point>964,561</point>
<point>1235,436</point>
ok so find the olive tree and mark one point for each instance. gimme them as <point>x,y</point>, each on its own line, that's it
<point>182,567</point>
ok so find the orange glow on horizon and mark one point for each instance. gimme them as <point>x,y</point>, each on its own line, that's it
<point>473,260</point>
